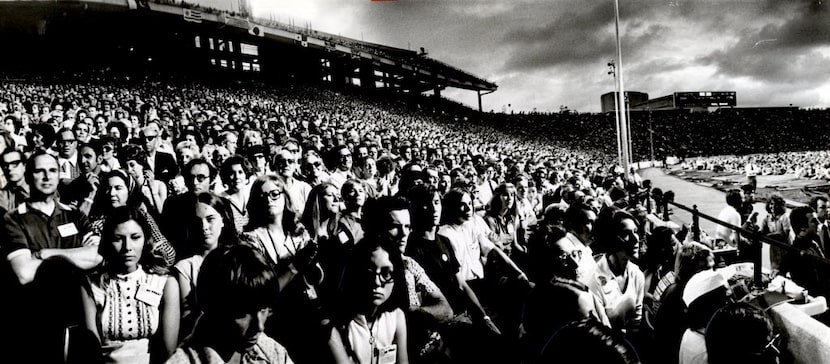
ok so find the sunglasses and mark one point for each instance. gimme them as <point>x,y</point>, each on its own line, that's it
<point>149,138</point>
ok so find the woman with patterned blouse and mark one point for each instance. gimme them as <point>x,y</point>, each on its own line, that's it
<point>133,306</point>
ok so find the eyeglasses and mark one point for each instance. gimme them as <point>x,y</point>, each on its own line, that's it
<point>11,164</point>
<point>259,156</point>
<point>384,275</point>
<point>576,254</point>
<point>273,194</point>
<point>66,141</point>
<point>149,138</point>
<point>200,177</point>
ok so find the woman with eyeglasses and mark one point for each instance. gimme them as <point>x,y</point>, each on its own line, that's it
<point>370,326</point>
<point>275,229</point>
<point>277,233</point>
<point>119,189</point>
<point>133,304</point>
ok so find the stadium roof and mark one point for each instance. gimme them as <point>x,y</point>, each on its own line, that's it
<point>429,73</point>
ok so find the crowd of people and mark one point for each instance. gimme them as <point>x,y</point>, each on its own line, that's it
<point>155,221</point>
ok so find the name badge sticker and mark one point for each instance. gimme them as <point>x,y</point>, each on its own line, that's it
<point>343,237</point>
<point>67,230</point>
<point>148,296</point>
<point>387,354</point>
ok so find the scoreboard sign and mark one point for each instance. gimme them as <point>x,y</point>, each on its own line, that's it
<point>704,99</point>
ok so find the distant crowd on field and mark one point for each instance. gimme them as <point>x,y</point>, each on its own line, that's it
<point>157,221</point>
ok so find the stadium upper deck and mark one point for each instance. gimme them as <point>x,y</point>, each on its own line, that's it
<point>166,35</point>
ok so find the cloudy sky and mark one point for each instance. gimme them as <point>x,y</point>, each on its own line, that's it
<point>547,53</point>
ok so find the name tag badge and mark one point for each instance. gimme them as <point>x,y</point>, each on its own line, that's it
<point>387,354</point>
<point>148,296</point>
<point>67,230</point>
<point>343,237</point>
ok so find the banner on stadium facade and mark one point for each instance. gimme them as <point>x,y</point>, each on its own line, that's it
<point>193,16</point>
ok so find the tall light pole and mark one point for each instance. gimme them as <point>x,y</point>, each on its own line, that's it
<point>651,136</point>
<point>612,71</point>
<point>626,157</point>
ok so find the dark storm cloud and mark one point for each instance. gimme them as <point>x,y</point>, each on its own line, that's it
<point>573,37</point>
<point>783,52</point>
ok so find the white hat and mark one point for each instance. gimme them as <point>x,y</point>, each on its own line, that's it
<point>703,283</point>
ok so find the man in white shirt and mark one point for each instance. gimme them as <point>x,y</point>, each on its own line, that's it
<point>285,164</point>
<point>730,214</point>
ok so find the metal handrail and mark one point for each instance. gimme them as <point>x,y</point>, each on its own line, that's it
<point>665,199</point>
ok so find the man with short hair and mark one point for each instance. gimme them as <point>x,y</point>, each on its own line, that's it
<point>48,246</point>
<point>163,165</point>
<point>806,272</point>
<point>819,204</point>
<point>198,177</point>
<point>342,161</point>
<point>16,190</point>
<point>67,155</point>
<point>43,227</point>
<point>579,221</point>
<point>285,165</point>
<point>730,214</point>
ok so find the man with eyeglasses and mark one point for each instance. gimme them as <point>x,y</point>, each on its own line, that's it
<point>198,177</point>
<point>285,165</point>
<point>67,146</point>
<point>16,190</point>
<point>342,160</point>
<point>163,165</point>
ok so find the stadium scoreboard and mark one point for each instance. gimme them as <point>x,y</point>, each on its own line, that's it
<point>689,100</point>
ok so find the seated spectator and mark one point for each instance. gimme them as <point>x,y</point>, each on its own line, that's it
<point>213,217</point>
<point>237,292</point>
<point>370,326</point>
<point>133,306</point>
<point>705,293</point>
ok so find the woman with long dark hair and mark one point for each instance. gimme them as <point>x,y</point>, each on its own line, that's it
<point>133,306</point>
<point>370,326</point>
<point>213,215</point>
